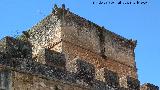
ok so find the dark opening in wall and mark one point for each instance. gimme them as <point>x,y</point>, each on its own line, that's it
<point>133,83</point>
<point>54,58</point>
<point>102,42</point>
<point>111,78</point>
<point>85,71</point>
<point>4,80</point>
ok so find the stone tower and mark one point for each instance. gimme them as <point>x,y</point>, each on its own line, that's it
<point>67,52</point>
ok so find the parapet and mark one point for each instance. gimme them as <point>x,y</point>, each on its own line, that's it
<point>148,86</point>
<point>84,75</point>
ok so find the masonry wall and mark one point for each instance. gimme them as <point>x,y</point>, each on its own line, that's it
<point>90,36</point>
<point>22,81</point>
<point>46,35</point>
<point>27,74</point>
<point>54,29</point>
<point>67,52</point>
<point>119,49</point>
<point>85,40</point>
<point>73,53</point>
<point>78,38</point>
<point>82,36</point>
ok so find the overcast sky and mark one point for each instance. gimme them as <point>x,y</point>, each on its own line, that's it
<point>137,21</point>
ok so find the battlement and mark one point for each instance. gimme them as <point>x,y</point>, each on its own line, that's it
<point>148,86</point>
<point>54,68</point>
<point>84,76</point>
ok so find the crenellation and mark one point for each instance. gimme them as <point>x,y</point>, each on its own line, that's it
<point>148,86</point>
<point>49,72</point>
<point>20,65</point>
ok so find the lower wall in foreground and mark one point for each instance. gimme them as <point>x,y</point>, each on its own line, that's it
<point>25,74</point>
<point>21,81</point>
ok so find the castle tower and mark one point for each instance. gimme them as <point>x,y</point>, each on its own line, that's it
<point>67,52</point>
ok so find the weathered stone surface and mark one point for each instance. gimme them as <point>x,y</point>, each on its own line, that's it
<point>148,86</point>
<point>67,52</point>
<point>74,36</point>
<point>97,39</point>
<point>51,58</point>
<point>85,72</point>
<point>26,70</point>
<point>98,62</point>
<point>111,78</point>
<point>99,85</point>
<point>133,83</point>
<point>46,34</point>
<point>5,79</point>
<point>14,48</point>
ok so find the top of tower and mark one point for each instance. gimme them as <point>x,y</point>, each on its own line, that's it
<point>63,14</point>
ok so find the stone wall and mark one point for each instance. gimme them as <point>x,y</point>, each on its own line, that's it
<point>119,49</point>
<point>73,52</point>
<point>67,52</point>
<point>62,27</point>
<point>28,74</point>
<point>98,46</point>
<point>97,39</point>
<point>82,36</point>
<point>46,35</point>
<point>11,47</point>
<point>22,81</point>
